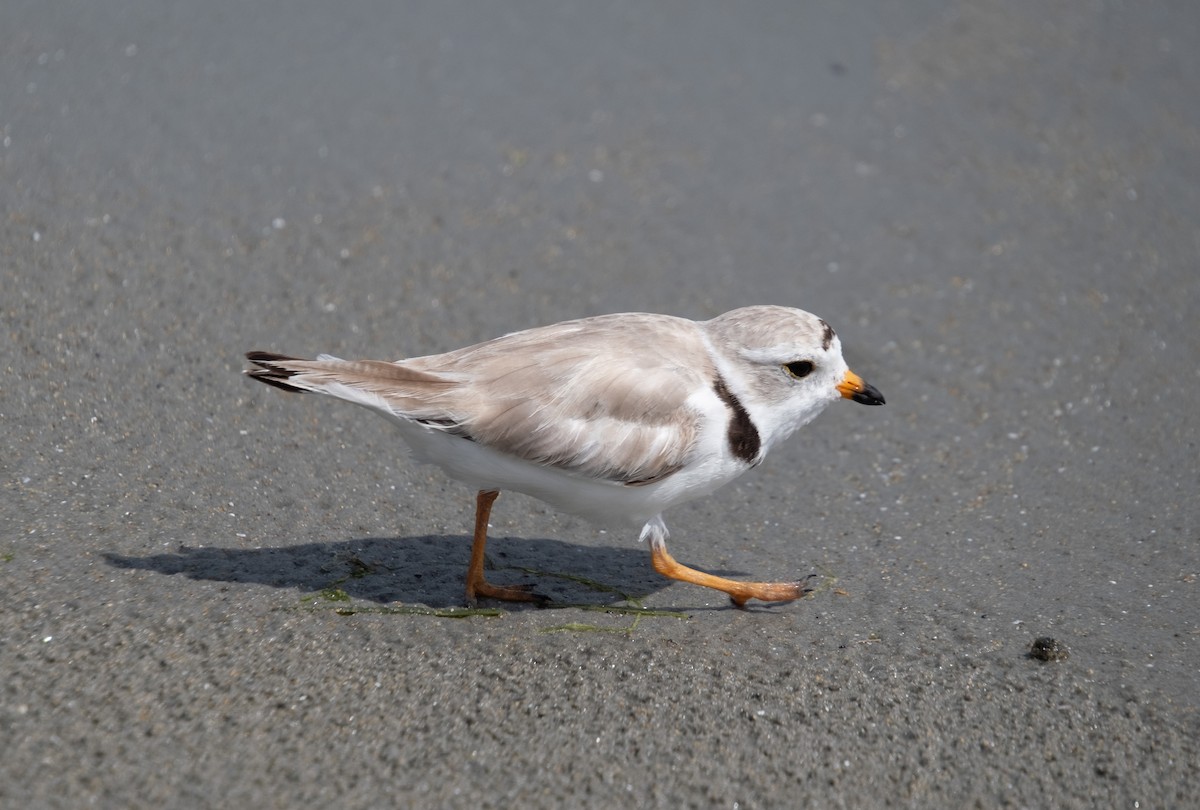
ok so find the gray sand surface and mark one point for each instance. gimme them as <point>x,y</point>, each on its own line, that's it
<point>210,589</point>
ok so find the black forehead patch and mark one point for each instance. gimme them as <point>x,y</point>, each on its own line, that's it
<point>826,335</point>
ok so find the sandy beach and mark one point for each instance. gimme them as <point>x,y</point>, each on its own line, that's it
<point>216,595</point>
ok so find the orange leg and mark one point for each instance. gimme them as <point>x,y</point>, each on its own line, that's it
<point>739,592</point>
<point>476,585</point>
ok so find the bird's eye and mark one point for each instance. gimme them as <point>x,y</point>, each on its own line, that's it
<point>799,368</point>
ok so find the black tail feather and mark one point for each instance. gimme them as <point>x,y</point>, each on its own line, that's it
<point>270,373</point>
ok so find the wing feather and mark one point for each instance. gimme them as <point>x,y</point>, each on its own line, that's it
<point>606,397</point>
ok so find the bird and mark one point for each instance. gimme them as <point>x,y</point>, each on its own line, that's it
<point>614,418</point>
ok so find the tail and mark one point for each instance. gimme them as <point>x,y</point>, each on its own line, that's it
<point>272,369</point>
<point>393,388</point>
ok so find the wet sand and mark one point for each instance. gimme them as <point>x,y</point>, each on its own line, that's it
<point>215,594</point>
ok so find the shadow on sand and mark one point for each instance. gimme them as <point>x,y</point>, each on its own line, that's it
<point>427,570</point>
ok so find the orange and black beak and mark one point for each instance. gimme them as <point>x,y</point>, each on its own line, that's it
<point>853,387</point>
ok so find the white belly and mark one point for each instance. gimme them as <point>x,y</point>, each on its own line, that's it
<point>597,500</point>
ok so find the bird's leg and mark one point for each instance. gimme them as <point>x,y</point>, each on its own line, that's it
<point>476,585</point>
<point>739,592</point>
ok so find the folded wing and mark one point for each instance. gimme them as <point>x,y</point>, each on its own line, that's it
<point>609,400</point>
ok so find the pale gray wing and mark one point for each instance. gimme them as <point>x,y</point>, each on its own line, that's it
<point>605,398</point>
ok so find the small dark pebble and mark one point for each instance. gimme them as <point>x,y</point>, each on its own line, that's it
<point>1048,649</point>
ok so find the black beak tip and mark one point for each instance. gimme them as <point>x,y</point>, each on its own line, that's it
<point>869,395</point>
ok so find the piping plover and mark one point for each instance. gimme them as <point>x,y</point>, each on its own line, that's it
<point>614,418</point>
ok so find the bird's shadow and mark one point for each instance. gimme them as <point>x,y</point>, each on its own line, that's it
<point>428,569</point>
